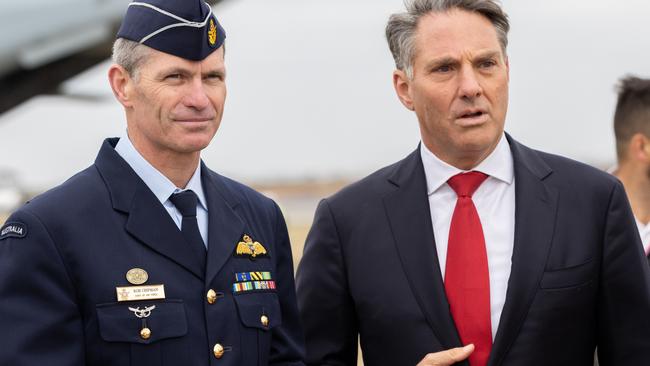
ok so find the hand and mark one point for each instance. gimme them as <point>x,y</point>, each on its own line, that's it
<point>448,357</point>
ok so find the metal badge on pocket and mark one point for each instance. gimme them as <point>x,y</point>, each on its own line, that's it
<point>145,332</point>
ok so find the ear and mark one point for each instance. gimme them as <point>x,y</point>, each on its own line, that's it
<point>402,85</point>
<point>639,148</point>
<point>645,147</point>
<point>507,60</point>
<point>122,84</point>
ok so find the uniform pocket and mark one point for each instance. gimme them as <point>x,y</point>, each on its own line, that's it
<point>259,313</point>
<point>259,310</point>
<point>119,324</point>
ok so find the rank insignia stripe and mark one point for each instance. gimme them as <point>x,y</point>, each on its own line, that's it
<point>253,286</point>
<point>13,230</point>
<point>252,276</point>
<point>250,248</point>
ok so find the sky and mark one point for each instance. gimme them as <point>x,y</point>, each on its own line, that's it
<point>310,93</point>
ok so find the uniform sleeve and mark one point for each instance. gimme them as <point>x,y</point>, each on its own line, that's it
<point>624,296</point>
<point>287,343</point>
<point>326,308</point>
<point>40,323</point>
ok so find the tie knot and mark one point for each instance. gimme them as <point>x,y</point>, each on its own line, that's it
<point>185,202</point>
<point>465,184</point>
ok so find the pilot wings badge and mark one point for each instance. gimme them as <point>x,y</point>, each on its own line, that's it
<point>247,247</point>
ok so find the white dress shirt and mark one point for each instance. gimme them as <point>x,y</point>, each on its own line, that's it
<point>644,232</point>
<point>495,203</point>
<point>162,187</point>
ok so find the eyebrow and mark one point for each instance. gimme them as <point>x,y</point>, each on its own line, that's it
<point>488,54</point>
<point>171,71</point>
<point>448,60</point>
<point>182,71</point>
<point>216,71</point>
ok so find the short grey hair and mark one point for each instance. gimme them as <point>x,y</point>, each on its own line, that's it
<point>401,27</point>
<point>130,55</point>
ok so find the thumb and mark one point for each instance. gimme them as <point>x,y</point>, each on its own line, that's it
<point>461,353</point>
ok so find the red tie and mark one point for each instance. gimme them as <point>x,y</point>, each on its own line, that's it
<point>467,280</point>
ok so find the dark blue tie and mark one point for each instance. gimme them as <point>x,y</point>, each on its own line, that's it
<point>185,203</point>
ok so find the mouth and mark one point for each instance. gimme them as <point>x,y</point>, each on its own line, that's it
<point>193,120</point>
<point>472,117</point>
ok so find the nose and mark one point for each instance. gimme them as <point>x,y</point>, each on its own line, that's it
<point>469,84</point>
<point>196,96</point>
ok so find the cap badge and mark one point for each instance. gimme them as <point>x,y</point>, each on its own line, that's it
<point>212,33</point>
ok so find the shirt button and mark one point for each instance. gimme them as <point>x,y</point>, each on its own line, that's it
<point>218,350</point>
<point>211,296</point>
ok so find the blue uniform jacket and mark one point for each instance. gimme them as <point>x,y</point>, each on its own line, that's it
<point>64,254</point>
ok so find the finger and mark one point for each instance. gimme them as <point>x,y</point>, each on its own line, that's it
<point>461,353</point>
<point>447,357</point>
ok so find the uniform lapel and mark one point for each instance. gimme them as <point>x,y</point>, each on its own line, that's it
<point>535,211</point>
<point>225,228</point>
<point>407,208</point>
<point>148,221</point>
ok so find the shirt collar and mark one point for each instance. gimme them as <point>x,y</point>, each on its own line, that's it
<point>160,185</point>
<point>498,165</point>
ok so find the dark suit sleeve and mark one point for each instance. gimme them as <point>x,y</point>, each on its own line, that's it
<point>324,300</point>
<point>40,323</point>
<point>287,345</point>
<point>624,295</point>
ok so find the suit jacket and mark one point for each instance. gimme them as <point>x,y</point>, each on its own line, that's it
<point>58,301</point>
<point>578,278</point>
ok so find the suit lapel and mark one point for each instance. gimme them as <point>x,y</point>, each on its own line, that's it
<point>148,221</point>
<point>225,228</point>
<point>151,224</point>
<point>409,216</point>
<point>535,211</point>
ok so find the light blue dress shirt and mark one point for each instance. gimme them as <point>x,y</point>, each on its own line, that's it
<point>163,188</point>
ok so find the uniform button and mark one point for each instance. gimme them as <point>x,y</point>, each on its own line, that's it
<point>218,350</point>
<point>211,296</point>
<point>145,333</point>
<point>264,320</point>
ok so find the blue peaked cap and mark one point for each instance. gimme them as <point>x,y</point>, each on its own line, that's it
<point>183,28</point>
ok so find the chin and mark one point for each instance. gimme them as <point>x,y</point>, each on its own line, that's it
<point>192,146</point>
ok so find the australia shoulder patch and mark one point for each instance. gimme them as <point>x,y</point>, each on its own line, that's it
<point>13,230</point>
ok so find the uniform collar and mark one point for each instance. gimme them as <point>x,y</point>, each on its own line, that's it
<point>160,185</point>
<point>499,165</point>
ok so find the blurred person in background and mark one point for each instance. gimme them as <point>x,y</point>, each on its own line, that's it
<point>474,249</point>
<point>148,257</point>
<point>632,131</point>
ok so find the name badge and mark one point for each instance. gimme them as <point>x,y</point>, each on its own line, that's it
<point>139,293</point>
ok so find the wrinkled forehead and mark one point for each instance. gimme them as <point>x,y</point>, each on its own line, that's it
<point>455,31</point>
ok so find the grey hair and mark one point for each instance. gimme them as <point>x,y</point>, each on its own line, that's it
<point>130,55</point>
<point>401,27</point>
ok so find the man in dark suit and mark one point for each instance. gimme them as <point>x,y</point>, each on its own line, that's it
<point>474,249</point>
<point>148,257</point>
<point>632,131</point>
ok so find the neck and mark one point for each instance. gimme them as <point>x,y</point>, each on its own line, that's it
<point>636,181</point>
<point>466,160</point>
<point>177,167</point>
